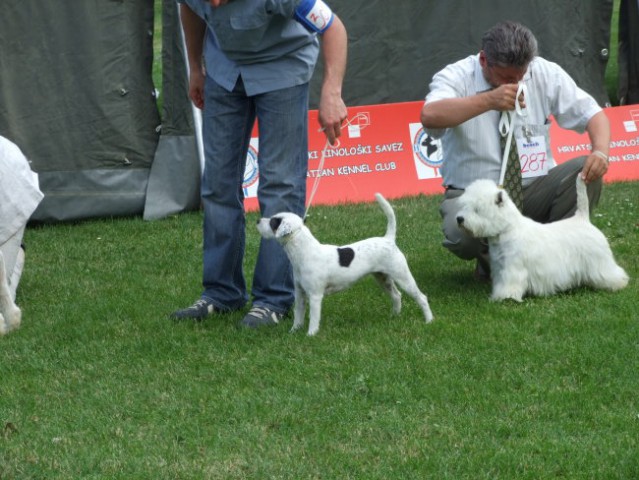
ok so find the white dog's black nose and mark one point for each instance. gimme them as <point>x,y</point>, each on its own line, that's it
<point>460,220</point>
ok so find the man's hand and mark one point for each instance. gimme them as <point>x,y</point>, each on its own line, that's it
<point>503,97</point>
<point>332,112</point>
<point>196,87</point>
<point>595,166</point>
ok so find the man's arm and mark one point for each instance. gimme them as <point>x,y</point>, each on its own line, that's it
<point>451,112</point>
<point>194,32</point>
<point>596,165</point>
<point>332,110</point>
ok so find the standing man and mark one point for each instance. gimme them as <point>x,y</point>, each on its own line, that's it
<point>248,60</point>
<point>464,107</point>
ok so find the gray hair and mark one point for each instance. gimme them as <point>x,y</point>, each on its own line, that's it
<point>509,44</point>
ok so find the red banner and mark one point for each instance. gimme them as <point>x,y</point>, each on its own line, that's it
<point>383,148</point>
<point>624,143</point>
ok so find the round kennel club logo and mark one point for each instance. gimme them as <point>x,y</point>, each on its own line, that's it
<point>251,172</point>
<point>427,149</point>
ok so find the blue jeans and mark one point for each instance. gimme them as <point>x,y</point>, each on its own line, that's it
<point>228,120</point>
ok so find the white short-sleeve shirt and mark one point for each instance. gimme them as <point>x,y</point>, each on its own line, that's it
<point>472,150</point>
<point>19,190</point>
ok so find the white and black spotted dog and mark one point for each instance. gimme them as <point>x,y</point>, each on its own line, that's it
<point>321,269</point>
<point>527,257</point>
<point>10,314</point>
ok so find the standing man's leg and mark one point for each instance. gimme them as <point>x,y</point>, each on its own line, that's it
<point>228,122</point>
<point>228,119</point>
<point>283,164</point>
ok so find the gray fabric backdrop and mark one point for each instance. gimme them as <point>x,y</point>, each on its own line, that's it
<point>77,93</point>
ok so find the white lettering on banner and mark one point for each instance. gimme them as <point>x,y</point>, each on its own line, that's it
<point>396,147</point>
<point>384,167</point>
<point>630,157</point>
<point>324,172</point>
<point>389,147</point>
<point>575,148</point>
<point>348,152</point>
<point>354,169</point>
<point>633,142</point>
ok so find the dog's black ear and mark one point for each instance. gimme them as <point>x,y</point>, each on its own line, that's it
<point>499,201</point>
<point>275,223</point>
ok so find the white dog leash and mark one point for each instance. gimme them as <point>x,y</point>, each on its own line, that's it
<point>317,179</point>
<point>320,166</point>
<point>507,126</point>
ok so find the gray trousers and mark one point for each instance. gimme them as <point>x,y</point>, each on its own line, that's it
<point>546,199</point>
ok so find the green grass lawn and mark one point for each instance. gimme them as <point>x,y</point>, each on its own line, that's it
<point>99,384</point>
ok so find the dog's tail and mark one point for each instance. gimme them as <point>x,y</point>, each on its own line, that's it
<point>582,198</point>
<point>391,227</point>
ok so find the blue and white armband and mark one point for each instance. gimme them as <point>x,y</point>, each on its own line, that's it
<point>315,15</point>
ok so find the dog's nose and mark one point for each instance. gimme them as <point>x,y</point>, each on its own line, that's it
<point>460,220</point>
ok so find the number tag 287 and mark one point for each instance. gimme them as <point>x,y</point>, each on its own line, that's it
<point>532,156</point>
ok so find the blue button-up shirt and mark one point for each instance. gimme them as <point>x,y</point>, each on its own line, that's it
<point>258,40</point>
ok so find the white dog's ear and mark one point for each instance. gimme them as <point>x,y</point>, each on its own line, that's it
<point>499,201</point>
<point>279,227</point>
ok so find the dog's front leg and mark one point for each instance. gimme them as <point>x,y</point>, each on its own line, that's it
<point>3,326</point>
<point>315,304</point>
<point>10,314</point>
<point>300,308</point>
<point>509,283</point>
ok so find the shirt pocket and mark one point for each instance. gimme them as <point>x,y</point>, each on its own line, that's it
<point>248,31</point>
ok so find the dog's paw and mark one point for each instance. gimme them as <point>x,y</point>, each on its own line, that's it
<point>13,318</point>
<point>507,291</point>
<point>501,298</point>
<point>312,332</point>
<point>3,326</point>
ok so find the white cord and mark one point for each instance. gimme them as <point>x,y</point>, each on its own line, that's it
<point>319,168</point>
<point>507,127</point>
<point>317,178</point>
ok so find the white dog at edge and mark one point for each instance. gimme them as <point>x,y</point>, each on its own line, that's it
<point>527,257</point>
<point>324,269</point>
<point>10,314</point>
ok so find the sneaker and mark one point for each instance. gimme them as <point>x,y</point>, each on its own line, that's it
<point>261,317</point>
<point>201,309</point>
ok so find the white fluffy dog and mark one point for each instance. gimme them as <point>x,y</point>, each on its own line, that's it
<point>527,257</point>
<point>10,314</point>
<point>324,269</point>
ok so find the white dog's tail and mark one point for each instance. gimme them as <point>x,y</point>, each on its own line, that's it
<point>391,227</point>
<point>582,198</point>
